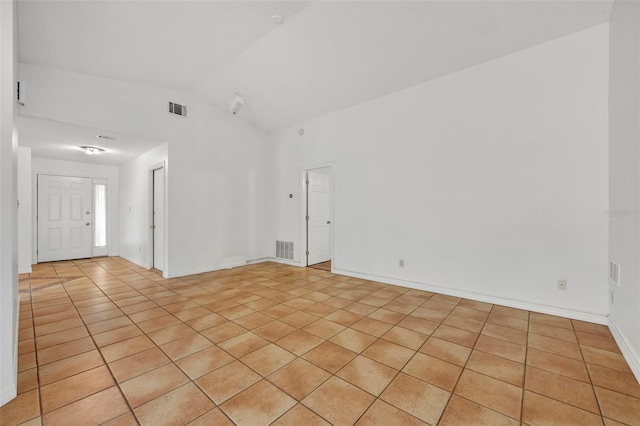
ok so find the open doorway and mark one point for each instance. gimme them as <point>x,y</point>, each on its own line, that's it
<point>318,217</point>
<point>157,219</point>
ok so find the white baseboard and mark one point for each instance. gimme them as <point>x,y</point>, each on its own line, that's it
<point>10,391</point>
<point>287,262</point>
<point>206,269</point>
<point>235,265</point>
<point>25,270</point>
<point>629,353</point>
<point>133,260</point>
<point>259,260</point>
<point>7,394</point>
<point>481,297</point>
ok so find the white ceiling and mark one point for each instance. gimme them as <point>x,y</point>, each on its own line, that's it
<point>62,141</point>
<point>325,56</point>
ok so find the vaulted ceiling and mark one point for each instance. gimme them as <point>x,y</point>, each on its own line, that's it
<point>325,56</point>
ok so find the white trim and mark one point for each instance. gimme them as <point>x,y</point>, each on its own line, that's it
<point>135,261</point>
<point>206,269</point>
<point>16,335</point>
<point>276,260</point>
<point>102,250</point>
<point>629,353</point>
<point>295,263</point>
<point>25,270</point>
<point>157,166</point>
<point>106,251</point>
<point>11,391</point>
<point>259,260</point>
<point>7,394</point>
<point>481,297</point>
<point>302,259</point>
<point>232,265</point>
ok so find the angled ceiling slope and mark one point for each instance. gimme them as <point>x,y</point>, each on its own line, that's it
<point>324,57</point>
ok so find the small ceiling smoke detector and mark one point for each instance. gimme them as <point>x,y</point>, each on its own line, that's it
<point>92,150</point>
<point>110,138</point>
<point>301,132</point>
<point>277,19</point>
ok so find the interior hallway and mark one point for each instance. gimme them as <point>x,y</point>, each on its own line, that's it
<point>105,341</point>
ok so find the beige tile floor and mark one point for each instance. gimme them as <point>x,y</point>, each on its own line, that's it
<point>106,342</point>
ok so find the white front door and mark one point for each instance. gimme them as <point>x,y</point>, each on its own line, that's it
<point>158,219</point>
<point>319,213</point>
<point>65,229</point>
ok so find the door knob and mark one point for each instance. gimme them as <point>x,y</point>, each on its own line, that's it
<point>88,223</point>
<point>328,222</point>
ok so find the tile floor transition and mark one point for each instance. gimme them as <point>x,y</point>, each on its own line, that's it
<point>104,341</point>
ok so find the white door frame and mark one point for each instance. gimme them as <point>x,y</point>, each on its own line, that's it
<point>160,165</point>
<point>35,240</point>
<point>303,210</point>
<point>100,251</point>
<point>34,210</point>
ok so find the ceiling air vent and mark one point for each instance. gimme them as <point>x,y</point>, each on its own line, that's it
<point>177,109</point>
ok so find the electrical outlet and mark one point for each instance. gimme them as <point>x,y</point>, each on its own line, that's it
<point>401,263</point>
<point>562,284</point>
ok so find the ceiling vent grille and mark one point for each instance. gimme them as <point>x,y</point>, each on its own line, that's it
<point>284,250</point>
<point>177,109</point>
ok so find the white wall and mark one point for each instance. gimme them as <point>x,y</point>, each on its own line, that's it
<point>95,171</point>
<point>25,212</point>
<point>624,177</point>
<point>103,103</point>
<point>135,205</point>
<point>9,301</point>
<point>219,186</point>
<point>490,182</point>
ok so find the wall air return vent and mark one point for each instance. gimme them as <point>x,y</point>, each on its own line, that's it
<point>177,109</point>
<point>284,250</point>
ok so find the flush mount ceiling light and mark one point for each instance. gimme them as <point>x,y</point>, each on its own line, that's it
<point>92,150</point>
<point>277,19</point>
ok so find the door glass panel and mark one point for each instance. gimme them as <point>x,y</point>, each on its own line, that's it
<point>100,215</point>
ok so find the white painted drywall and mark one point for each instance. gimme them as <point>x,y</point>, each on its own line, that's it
<point>102,103</point>
<point>491,181</point>
<point>25,212</point>
<point>72,168</point>
<point>135,205</point>
<point>220,182</point>
<point>219,212</point>
<point>624,175</point>
<point>9,301</point>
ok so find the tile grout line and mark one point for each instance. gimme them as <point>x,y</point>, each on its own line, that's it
<point>280,288</point>
<point>106,364</point>
<point>593,389</point>
<point>465,363</point>
<point>524,378</point>
<point>35,348</point>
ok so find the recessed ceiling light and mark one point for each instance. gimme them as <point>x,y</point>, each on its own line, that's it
<point>277,19</point>
<point>92,150</point>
